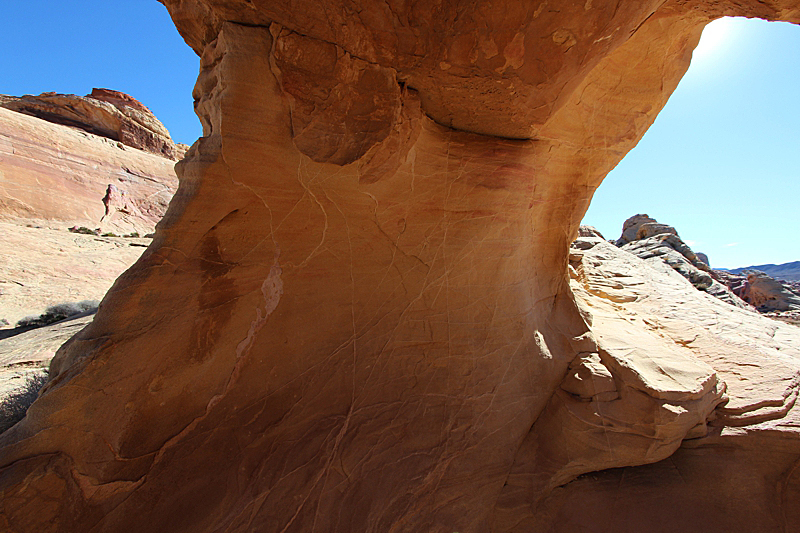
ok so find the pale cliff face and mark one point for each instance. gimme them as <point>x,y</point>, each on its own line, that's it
<point>357,306</point>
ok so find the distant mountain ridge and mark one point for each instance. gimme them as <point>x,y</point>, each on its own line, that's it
<point>785,271</point>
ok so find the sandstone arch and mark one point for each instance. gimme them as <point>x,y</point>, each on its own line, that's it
<point>357,308</point>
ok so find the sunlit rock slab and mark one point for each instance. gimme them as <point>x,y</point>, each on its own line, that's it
<point>52,174</point>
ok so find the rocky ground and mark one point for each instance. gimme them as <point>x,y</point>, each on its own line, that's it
<point>30,352</point>
<point>44,266</point>
<point>662,248</point>
<point>669,355</point>
<point>103,163</point>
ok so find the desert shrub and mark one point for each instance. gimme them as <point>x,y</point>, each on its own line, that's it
<point>54,313</point>
<point>134,235</point>
<point>109,234</point>
<point>84,230</point>
<point>14,406</point>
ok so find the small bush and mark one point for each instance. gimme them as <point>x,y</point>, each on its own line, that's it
<point>14,406</point>
<point>54,313</point>
<point>134,235</point>
<point>84,230</point>
<point>109,234</point>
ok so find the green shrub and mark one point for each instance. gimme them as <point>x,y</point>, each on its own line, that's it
<point>54,313</point>
<point>14,406</point>
<point>84,230</point>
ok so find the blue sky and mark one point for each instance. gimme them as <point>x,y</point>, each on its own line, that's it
<point>721,163</point>
<point>127,45</point>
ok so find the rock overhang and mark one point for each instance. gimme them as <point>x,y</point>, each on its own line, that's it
<point>357,311</point>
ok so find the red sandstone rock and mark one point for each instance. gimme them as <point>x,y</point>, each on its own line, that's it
<point>768,294</point>
<point>118,99</point>
<point>111,114</point>
<point>54,175</point>
<point>320,340</point>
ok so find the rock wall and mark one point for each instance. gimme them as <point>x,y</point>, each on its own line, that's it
<point>104,112</point>
<point>356,313</point>
<point>51,174</point>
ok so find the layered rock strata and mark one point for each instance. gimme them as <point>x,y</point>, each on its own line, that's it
<point>739,474</point>
<point>763,292</point>
<point>356,314</point>
<point>51,174</point>
<point>107,113</point>
<point>662,247</point>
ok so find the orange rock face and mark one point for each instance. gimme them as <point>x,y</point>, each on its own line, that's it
<point>356,314</point>
<point>107,113</point>
<point>53,174</point>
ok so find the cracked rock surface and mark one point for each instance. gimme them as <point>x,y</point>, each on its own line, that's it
<point>739,473</point>
<point>356,313</point>
<point>55,175</point>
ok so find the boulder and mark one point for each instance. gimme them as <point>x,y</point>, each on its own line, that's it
<point>762,291</point>
<point>589,231</point>
<point>650,229</point>
<point>768,294</point>
<point>357,310</point>
<point>630,228</point>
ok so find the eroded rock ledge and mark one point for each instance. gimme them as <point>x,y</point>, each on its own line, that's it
<point>104,112</point>
<point>356,315</point>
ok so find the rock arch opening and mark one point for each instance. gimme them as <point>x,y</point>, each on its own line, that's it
<point>718,161</point>
<point>391,343</point>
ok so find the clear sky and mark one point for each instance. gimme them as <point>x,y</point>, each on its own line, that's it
<point>126,45</point>
<point>721,163</point>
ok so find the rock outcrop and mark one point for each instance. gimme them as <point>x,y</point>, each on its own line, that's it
<point>56,175</point>
<point>660,245</point>
<point>762,291</point>
<point>106,113</point>
<point>630,228</point>
<point>743,463</point>
<point>356,314</point>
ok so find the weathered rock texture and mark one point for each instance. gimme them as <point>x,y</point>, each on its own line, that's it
<point>762,291</point>
<point>739,474</point>
<point>42,267</point>
<point>661,246</point>
<point>107,113</point>
<point>56,175</point>
<point>356,314</point>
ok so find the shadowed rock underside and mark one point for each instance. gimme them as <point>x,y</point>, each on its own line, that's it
<point>356,314</point>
